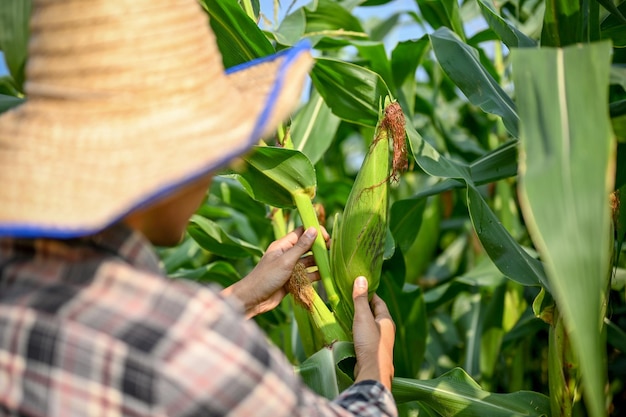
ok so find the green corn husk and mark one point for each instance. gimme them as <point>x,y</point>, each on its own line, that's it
<point>359,238</point>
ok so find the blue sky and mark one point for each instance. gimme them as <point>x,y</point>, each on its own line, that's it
<point>407,29</point>
<point>3,66</point>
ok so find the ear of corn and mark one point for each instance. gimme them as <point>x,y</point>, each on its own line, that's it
<point>359,237</point>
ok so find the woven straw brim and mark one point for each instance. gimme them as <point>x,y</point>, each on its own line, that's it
<point>69,171</point>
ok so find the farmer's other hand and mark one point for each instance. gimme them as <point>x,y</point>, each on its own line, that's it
<point>374,333</point>
<point>264,287</point>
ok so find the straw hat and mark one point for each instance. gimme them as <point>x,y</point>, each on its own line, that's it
<point>127,101</point>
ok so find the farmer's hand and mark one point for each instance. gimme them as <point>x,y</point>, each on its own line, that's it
<point>263,288</point>
<point>374,333</point>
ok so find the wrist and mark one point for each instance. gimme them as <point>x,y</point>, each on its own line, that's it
<point>375,372</point>
<point>238,291</point>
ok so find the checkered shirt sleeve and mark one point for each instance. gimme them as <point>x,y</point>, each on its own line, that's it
<point>84,332</point>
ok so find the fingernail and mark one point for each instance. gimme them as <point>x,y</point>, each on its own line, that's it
<point>310,232</point>
<point>361,282</point>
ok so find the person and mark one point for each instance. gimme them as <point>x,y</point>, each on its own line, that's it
<point>129,114</point>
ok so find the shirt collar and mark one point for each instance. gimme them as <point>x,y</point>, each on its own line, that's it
<point>129,245</point>
<point>117,240</point>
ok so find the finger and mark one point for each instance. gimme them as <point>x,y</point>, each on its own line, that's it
<point>383,318</point>
<point>379,308</point>
<point>286,242</point>
<point>302,245</point>
<point>359,295</point>
<point>314,276</point>
<point>308,261</point>
<point>325,234</point>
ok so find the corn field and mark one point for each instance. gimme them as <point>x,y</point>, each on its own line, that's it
<point>468,158</point>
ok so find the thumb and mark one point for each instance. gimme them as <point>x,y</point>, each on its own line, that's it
<point>359,294</point>
<point>302,245</point>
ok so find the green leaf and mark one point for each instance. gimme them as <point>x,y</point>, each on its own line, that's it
<point>211,237</point>
<point>352,92</point>
<point>508,33</point>
<point>564,188</point>
<point>613,28</point>
<point>467,314</point>
<point>272,175</point>
<point>462,64</point>
<point>14,34</point>
<point>613,9</point>
<point>456,394</point>
<point>384,28</point>
<point>405,221</point>
<point>291,28</point>
<point>376,54</point>
<point>313,128</point>
<point>430,160</point>
<point>232,197</point>
<point>185,255</point>
<point>562,23</point>
<point>440,13</point>
<point>322,371</point>
<point>328,18</point>
<point>327,15</point>
<point>220,272</point>
<point>615,336</point>
<point>495,165</point>
<point>406,57</point>
<point>8,102</point>
<point>443,294</point>
<point>238,37</point>
<point>504,251</point>
<point>493,330</point>
<point>421,252</point>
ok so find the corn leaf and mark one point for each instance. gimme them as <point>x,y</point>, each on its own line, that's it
<point>322,371</point>
<point>313,128</point>
<point>352,92</point>
<point>564,188</point>
<point>327,22</point>
<point>405,219</point>
<point>221,272</point>
<point>509,34</point>
<point>291,28</point>
<point>562,23</point>
<point>504,251</point>
<point>456,394</point>
<point>8,102</point>
<point>431,161</point>
<point>462,64</point>
<point>14,34</point>
<point>238,37</point>
<point>440,13</point>
<point>272,175</point>
<point>213,238</point>
<point>496,164</point>
<point>614,28</point>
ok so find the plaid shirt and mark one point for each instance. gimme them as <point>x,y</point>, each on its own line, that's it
<point>91,327</point>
